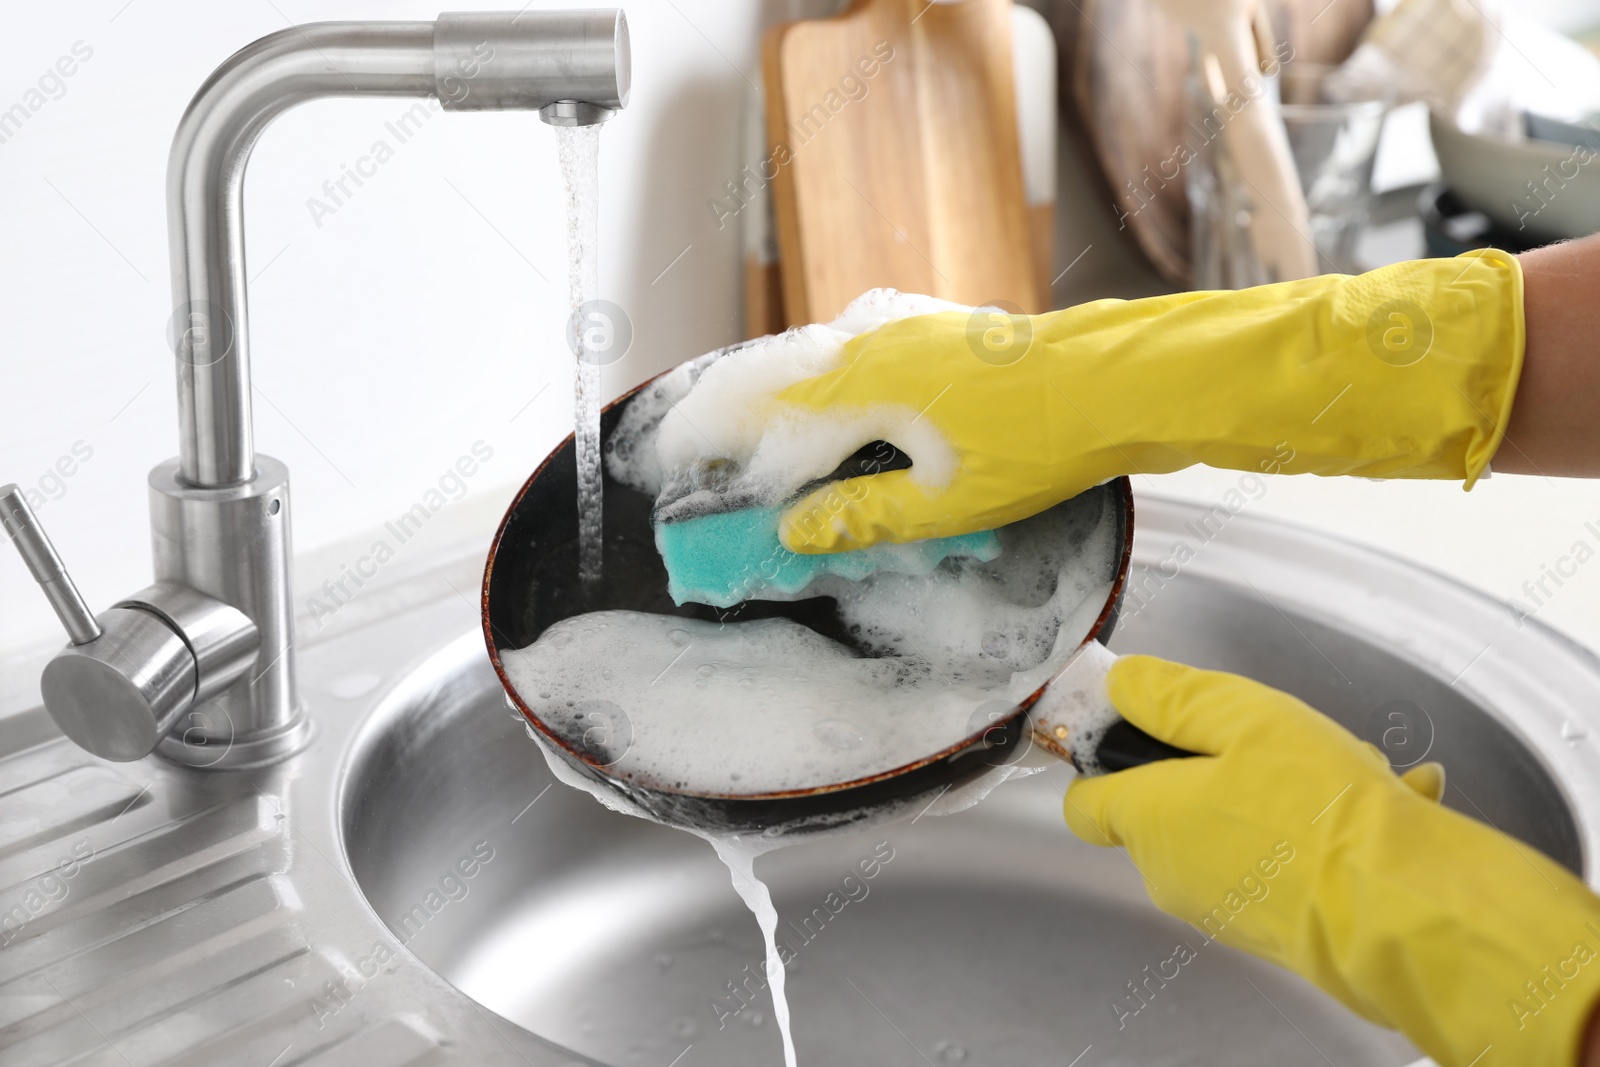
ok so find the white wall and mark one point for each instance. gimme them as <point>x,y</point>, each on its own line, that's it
<point>385,341</point>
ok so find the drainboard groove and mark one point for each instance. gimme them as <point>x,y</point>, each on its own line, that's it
<point>394,1042</point>
<point>108,942</point>
<point>139,884</point>
<point>35,1006</point>
<point>251,1022</point>
<point>62,804</point>
<point>153,1016</point>
<point>171,852</point>
<point>241,976</point>
<point>30,768</point>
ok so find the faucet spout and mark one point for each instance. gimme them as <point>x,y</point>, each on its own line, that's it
<point>571,66</point>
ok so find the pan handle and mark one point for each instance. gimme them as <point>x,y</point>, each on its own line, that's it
<point>1074,719</point>
<point>1124,745</point>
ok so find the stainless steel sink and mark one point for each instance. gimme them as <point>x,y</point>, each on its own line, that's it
<point>989,937</point>
<point>412,889</point>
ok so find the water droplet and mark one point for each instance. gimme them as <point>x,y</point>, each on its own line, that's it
<point>706,670</point>
<point>1573,732</point>
<point>685,1027</point>
<point>561,638</point>
<point>754,1018</point>
<point>836,733</point>
<point>950,1052</point>
<point>995,645</point>
<point>663,960</point>
<point>714,936</point>
<point>680,638</point>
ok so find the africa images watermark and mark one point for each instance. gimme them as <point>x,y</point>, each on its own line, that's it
<point>452,886</point>
<point>1146,581</point>
<point>1253,887</point>
<point>753,179</point>
<point>742,992</point>
<point>1542,191</point>
<point>402,128</point>
<point>1252,87</point>
<point>450,486</point>
<point>52,484</point>
<point>49,86</point>
<point>1537,993</point>
<point>50,888</point>
<point>1541,590</point>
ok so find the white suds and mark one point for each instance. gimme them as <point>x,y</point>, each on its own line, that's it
<point>723,408</point>
<point>741,708</point>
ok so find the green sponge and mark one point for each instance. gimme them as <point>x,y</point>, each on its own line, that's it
<point>725,557</point>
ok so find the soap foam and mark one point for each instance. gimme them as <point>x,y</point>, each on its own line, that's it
<point>631,449</point>
<point>763,706</point>
<point>769,705</point>
<point>721,408</point>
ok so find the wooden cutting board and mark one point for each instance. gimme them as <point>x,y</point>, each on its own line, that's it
<point>894,133</point>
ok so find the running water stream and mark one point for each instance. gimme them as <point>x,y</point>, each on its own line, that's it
<point>739,851</point>
<point>740,858</point>
<point>579,150</point>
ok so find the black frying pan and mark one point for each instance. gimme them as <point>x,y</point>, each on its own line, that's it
<point>531,583</point>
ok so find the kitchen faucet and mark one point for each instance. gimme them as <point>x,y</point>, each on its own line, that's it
<point>199,666</point>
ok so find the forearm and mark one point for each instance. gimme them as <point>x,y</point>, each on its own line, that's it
<point>1553,430</point>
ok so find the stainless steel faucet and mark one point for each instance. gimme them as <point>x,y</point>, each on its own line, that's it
<point>200,665</point>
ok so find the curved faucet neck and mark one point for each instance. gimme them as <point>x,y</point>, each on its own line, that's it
<point>560,63</point>
<point>209,330</point>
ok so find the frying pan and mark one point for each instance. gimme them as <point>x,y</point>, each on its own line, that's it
<point>531,583</point>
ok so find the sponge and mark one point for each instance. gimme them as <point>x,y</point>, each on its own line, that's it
<point>724,557</point>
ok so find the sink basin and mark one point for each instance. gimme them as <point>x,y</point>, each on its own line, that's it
<point>988,937</point>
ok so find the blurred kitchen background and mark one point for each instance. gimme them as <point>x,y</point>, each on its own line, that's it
<point>408,276</point>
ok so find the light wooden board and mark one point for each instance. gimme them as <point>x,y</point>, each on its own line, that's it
<point>909,177</point>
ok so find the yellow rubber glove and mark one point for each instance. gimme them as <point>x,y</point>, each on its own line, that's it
<point>1407,371</point>
<point>1293,840</point>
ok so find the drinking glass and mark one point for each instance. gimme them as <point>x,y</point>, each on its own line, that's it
<point>1333,146</point>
